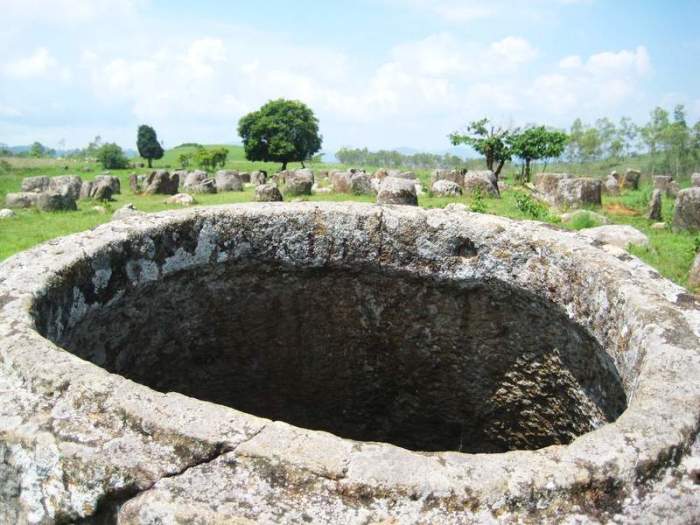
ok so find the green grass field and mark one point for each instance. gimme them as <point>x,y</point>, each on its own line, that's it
<point>670,253</point>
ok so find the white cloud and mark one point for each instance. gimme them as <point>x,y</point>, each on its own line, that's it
<point>514,50</point>
<point>570,62</point>
<point>37,64</point>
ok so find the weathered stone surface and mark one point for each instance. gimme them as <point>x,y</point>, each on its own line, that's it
<point>576,192</point>
<point>446,188</point>
<point>6,213</point>
<point>662,182</point>
<point>630,180</point>
<point>55,201</point>
<point>694,283</point>
<point>245,177</point>
<point>395,190</point>
<point>659,226</point>
<point>134,183</point>
<point>203,186</point>
<point>128,210</point>
<point>66,184</point>
<point>654,212</point>
<point>101,190</point>
<point>483,181</point>
<point>695,179</point>
<point>86,189</point>
<point>340,181</point>
<point>456,176</point>
<point>620,235</point>
<point>183,199</point>
<point>268,193</point>
<point>161,182</point>
<point>193,178</point>
<point>299,182</point>
<point>113,182</point>
<point>258,177</point>
<point>587,336</point>
<point>229,181</point>
<point>686,215</point>
<point>547,183</point>
<point>360,184</point>
<point>35,184</point>
<point>25,199</point>
<point>611,185</point>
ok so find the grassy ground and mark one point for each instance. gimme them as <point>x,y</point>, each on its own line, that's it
<point>670,253</point>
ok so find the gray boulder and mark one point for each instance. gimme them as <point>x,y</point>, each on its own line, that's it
<point>611,185</point>
<point>482,181</point>
<point>193,178</point>
<point>446,188</point>
<point>66,184</point>
<point>695,179</point>
<point>228,181</point>
<point>409,175</point>
<point>360,184</point>
<point>662,182</point>
<point>55,201</point>
<point>299,182</point>
<point>183,199</point>
<point>86,189</point>
<point>694,274</point>
<point>455,176</point>
<point>35,184</point>
<point>575,193</point>
<point>244,176</point>
<point>161,182</point>
<point>24,199</point>
<point>687,212</point>
<point>654,213</point>
<point>630,180</point>
<point>620,235</point>
<point>340,181</point>
<point>258,177</point>
<point>268,193</point>
<point>135,183</point>
<point>204,186</point>
<point>114,183</point>
<point>102,190</point>
<point>6,213</point>
<point>395,190</point>
<point>547,183</point>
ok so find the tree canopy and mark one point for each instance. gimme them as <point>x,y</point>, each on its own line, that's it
<point>491,141</point>
<point>112,157</point>
<point>536,143</point>
<point>280,131</point>
<point>148,145</point>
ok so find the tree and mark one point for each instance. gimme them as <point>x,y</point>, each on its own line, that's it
<point>184,159</point>
<point>280,131</point>
<point>209,159</point>
<point>148,145</point>
<point>37,150</point>
<point>112,157</point>
<point>536,143</point>
<point>652,134</point>
<point>492,142</point>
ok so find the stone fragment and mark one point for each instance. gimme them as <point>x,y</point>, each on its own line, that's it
<point>654,212</point>
<point>483,181</point>
<point>128,210</point>
<point>228,181</point>
<point>113,182</point>
<point>299,182</point>
<point>55,201</point>
<point>620,235</point>
<point>694,283</point>
<point>66,184</point>
<point>577,192</point>
<point>25,199</point>
<point>258,177</point>
<point>446,188</point>
<point>456,176</point>
<point>630,180</point>
<point>183,199</point>
<point>35,184</point>
<point>161,182</point>
<point>695,179</point>
<point>6,213</point>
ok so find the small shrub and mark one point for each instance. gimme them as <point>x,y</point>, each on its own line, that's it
<point>583,220</point>
<point>530,207</point>
<point>477,204</point>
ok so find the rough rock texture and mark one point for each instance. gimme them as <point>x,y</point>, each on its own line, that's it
<point>161,182</point>
<point>620,235</point>
<point>547,183</point>
<point>23,199</point>
<point>517,336</point>
<point>299,182</point>
<point>340,181</point>
<point>194,178</point>
<point>245,177</point>
<point>268,193</point>
<point>456,176</point>
<point>55,201</point>
<point>662,182</point>
<point>574,193</point>
<point>360,184</point>
<point>630,180</point>
<point>654,212</point>
<point>113,182</point>
<point>611,186</point>
<point>86,189</point>
<point>134,183</point>
<point>101,190</point>
<point>686,215</point>
<point>128,210</point>
<point>66,184</point>
<point>35,184</point>
<point>483,181</point>
<point>183,199</point>
<point>695,179</point>
<point>228,181</point>
<point>446,188</point>
<point>395,190</point>
<point>6,213</point>
<point>258,177</point>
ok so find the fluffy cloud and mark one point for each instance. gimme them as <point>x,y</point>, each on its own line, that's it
<point>37,64</point>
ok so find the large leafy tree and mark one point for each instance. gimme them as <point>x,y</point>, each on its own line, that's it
<point>491,141</point>
<point>112,157</point>
<point>537,143</point>
<point>148,145</point>
<point>280,131</point>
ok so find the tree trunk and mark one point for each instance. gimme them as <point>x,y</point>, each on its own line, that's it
<point>527,170</point>
<point>284,165</point>
<point>302,164</point>
<point>497,173</point>
<point>149,163</point>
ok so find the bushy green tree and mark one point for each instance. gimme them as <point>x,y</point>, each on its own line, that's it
<point>491,141</point>
<point>653,134</point>
<point>112,157</point>
<point>280,131</point>
<point>537,143</point>
<point>148,145</point>
<point>37,150</point>
<point>210,159</point>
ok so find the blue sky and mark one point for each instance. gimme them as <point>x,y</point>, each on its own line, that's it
<point>378,73</point>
